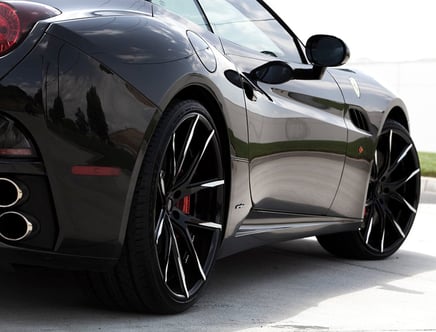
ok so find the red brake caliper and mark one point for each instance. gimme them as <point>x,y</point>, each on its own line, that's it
<point>185,204</point>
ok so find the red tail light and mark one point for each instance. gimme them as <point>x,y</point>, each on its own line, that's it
<point>16,20</point>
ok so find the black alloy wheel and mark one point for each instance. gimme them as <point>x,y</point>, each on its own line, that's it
<point>393,193</point>
<point>189,205</point>
<point>392,200</point>
<point>177,217</point>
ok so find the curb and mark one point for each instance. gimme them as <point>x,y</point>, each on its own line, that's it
<point>428,185</point>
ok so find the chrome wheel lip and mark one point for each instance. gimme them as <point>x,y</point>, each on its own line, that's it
<point>393,193</point>
<point>178,226</point>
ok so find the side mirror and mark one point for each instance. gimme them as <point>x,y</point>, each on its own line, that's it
<point>322,51</point>
<point>274,72</point>
<point>327,51</point>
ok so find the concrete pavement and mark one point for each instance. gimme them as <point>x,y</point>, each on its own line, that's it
<point>291,286</point>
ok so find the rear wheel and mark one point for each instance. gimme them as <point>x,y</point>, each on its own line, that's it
<point>176,219</point>
<point>392,200</point>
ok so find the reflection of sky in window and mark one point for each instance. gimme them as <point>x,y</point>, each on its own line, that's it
<point>248,35</point>
<point>250,25</point>
<point>185,8</point>
<point>233,25</point>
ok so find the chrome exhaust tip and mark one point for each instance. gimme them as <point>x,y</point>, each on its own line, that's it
<point>10,193</point>
<point>15,226</point>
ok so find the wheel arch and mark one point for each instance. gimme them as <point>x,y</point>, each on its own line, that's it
<point>399,115</point>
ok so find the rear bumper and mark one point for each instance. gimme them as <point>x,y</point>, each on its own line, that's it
<point>10,256</point>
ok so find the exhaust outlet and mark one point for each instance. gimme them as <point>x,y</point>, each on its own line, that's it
<point>15,226</point>
<point>10,193</point>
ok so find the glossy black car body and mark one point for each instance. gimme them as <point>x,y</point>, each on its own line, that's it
<point>302,149</point>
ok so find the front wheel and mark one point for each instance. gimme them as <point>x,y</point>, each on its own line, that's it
<point>177,216</point>
<point>391,203</point>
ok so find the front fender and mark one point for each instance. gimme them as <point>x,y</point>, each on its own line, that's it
<point>370,96</point>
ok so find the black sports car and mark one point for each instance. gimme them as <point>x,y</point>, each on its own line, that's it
<point>141,140</point>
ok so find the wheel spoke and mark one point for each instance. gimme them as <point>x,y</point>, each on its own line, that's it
<point>212,184</point>
<point>376,160</point>
<point>401,199</point>
<point>187,145</point>
<point>159,226</point>
<point>168,257</point>
<point>193,251</point>
<point>411,208</point>
<point>195,222</point>
<point>369,230</point>
<point>382,224</point>
<point>197,187</point>
<point>382,164</point>
<point>187,237</point>
<point>210,225</point>
<point>173,149</point>
<point>397,162</point>
<point>162,184</point>
<point>391,217</point>
<point>391,133</point>
<point>398,184</point>
<point>195,163</point>
<point>386,156</point>
<point>378,217</point>
<point>178,258</point>
<point>404,154</point>
<point>398,228</point>
<point>412,175</point>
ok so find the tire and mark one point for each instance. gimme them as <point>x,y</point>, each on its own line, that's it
<point>176,219</point>
<point>391,203</point>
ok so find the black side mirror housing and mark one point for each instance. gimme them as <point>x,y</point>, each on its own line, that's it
<point>273,72</point>
<point>326,51</point>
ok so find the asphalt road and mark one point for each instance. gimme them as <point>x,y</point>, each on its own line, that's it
<point>292,286</point>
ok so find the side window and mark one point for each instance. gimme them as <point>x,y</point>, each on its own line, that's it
<point>186,8</point>
<point>248,24</point>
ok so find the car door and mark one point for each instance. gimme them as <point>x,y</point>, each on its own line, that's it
<point>297,132</point>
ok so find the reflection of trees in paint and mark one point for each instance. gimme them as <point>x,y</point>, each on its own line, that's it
<point>35,104</point>
<point>81,122</point>
<point>96,118</point>
<point>57,112</point>
<point>14,98</point>
<point>92,123</point>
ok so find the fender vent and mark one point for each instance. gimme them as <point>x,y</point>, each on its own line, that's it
<point>358,119</point>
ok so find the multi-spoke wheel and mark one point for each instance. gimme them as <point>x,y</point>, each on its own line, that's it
<point>189,205</point>
<point>392,200</point>
<point>177,216</point>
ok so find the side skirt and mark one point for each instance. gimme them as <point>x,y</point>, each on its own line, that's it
<point>264,227</point>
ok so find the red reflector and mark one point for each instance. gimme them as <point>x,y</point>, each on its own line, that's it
<point>95,171</point>
<point>16,152</point>
<point>10,28</point>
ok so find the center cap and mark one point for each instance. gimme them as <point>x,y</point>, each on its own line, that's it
<point>379,189</point>
<point>382,189</point>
